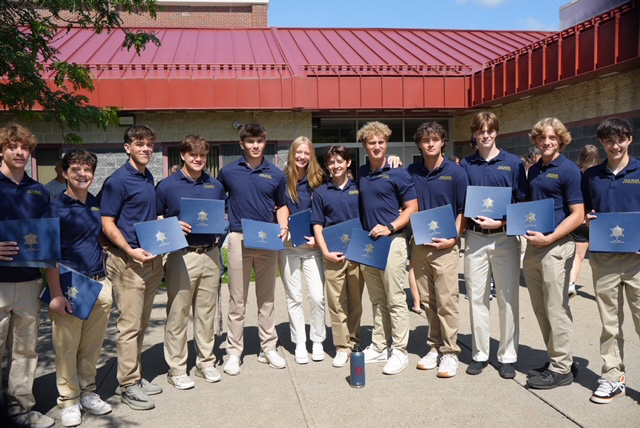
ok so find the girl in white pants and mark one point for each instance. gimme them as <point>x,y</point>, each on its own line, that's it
<point>304,174</point>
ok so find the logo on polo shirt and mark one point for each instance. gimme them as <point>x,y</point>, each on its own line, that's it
<point>354,192</point>
<point>384,176</point>
<point>263,175</point>
<point>552,175</point>
<point>445,177</point>
<point>95,208</point>
<point>212,186</point>
<point>504,168</point>
<point>631,181</point>
<point>34,192</point>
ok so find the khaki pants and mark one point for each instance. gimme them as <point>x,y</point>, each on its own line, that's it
<point>345,284</point>
<point>77,345</point>
<point>484,255</point>
<point>613,276</point>
<point>241,261</point>
<point>296,263</point>
<point>546,271</point>
<point>19,307</point>
<point>192,284</point>
<point>386,290</point>
<point>135,287</point>
<point>436,274</point>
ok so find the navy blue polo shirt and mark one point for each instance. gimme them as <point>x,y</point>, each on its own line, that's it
<point>559,180</point>
<point>80,226</point>
<point>332,205</point>
<point>606,192</point>
<point>130,197</point>
<point>383,193</point>
<point>254,194</point>
<point>25,200</point>
<point>446,184</point>
<point>304,196</point>
<point>177,186</point>
<point>504,170</point>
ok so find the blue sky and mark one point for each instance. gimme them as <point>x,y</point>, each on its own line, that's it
<point>540,15</point>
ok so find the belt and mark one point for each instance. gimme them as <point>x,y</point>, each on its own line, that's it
<point>199,249</point>
<point>479,229</point>
<point>97,277</point>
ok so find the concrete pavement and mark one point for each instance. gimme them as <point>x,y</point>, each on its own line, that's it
<point>318,395</point>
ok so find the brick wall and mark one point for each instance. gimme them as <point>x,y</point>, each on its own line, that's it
<point>580,107</point>
<point>200,17</point>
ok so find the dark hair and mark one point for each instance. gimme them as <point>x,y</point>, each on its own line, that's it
<point>614,127</point>
<point>139,133</point>
<point>194,144</point>
<point>485,118</point>
<point>589,156</point>
<point>337,150</point>
<point>253,129</point>
<point>79,157</point>
<point>430,128</point>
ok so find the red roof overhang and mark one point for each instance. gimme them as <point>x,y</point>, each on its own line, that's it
<point>603,45</point>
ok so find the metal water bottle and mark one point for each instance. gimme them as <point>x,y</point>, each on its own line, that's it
<point>357,367</point>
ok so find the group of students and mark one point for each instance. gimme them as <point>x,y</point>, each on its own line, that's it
<point>95,229</point>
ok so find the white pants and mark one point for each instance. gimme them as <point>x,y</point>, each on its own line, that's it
<point>484,255</point>
<point>293,263</point>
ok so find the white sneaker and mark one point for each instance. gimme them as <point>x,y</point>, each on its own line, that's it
<point>210,374</point>
<point>273,358</point>
<point>429,361</point>
<point>71,416</point>
<point>301,354</point>
<point>448,365</point>
<point>232,366</point>
<point>317,351</point>
<point>340,359</point>
<point>182,381</point>
<point>373,356</point>
<point>398,361</point>
<point>608,390</point>
<point>35,419</point>
<point>93,404</point>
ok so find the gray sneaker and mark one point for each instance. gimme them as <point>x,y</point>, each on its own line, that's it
<point>135,397</point>
<point>34,419</point>
<point>148,387</point>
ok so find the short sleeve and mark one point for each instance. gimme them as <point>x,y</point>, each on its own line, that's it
<point>280,197</point>
<point>573,187</point>
<point>406,188</point>
<point>113,194</point>
<point>520,184</point>
<point>317,211</point>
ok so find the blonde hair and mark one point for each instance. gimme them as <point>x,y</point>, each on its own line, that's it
<point>315,174</point>
<point>558,127</point>
<point>371,129</point>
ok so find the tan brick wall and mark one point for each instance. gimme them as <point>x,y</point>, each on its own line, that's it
<point>200,17</point>
<point>606,96</point>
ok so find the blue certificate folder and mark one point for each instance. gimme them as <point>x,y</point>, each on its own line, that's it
<point>299,227</point>
<point>205,216</point>
<point>261,235</point>
<point>161,236</point>
<point>433,223</point>
<point>82,292</point>
<point>487,201</point>
<point>615,233</point>
<point>368,251</point>
<point>38,240</point>
<point>338,236</point>
<point>537,216</point>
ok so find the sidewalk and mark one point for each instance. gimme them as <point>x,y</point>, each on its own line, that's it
<point>318,395</point>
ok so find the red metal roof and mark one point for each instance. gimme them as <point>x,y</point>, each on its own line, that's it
<point>285,68</point>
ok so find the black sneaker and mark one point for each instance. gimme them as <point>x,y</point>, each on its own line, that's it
<point>536,372</point>
<point>507,371</point>
<point>608,390</point>
<point>549,380</point>
<point>476,367</point>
